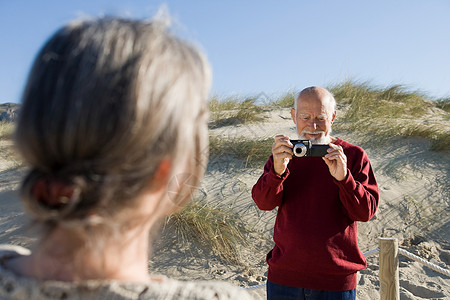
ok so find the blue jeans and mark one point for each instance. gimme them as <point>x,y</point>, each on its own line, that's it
<point>282,292</point>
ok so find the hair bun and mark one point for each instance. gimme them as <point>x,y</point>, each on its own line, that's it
<point>53,193</point>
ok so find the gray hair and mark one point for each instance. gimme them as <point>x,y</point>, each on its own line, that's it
<point>105,102</point>
<point>315,90</point>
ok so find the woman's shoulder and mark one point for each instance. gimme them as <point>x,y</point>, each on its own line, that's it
<point>13,286</point>
<point>21,288</point>
<point>176,289</point>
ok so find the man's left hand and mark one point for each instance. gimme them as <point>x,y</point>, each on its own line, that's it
<point>336,161</point>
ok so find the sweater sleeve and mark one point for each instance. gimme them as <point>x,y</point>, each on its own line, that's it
<point>268,190</point>
<point>359,191</point>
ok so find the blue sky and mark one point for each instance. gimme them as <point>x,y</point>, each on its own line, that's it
<point>264,46</point>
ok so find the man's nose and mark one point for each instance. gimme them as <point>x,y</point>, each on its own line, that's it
<point>312,124</point>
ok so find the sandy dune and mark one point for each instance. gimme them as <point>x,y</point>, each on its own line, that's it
<point>414,207</point>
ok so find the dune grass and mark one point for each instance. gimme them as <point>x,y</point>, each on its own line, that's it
<point>253,153</point>
<point>7,150</point>
<point>233,111</point>
<point>380,114</point>
<point>286,100</point>
<point>6,130</point>
<point>221,231</point>
<point>376,114</point>
<point>394,101</point>
<point>444,104</point>
<point>8,154</point>
<point>216,105</point>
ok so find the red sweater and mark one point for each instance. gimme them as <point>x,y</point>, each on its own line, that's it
<point>315,230</point>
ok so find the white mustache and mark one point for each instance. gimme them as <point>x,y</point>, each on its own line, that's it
<point>322,139</point>
<point>312,132</point>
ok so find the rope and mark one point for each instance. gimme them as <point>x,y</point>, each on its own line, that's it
<point>371,252</point>
<point>252,287</point>
<point>425,262</point>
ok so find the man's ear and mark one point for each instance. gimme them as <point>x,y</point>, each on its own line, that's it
<point>293,115</point>
<point>333,117</point>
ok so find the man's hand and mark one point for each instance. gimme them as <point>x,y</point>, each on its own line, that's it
<point>336,161</point>
<point>282,153</point>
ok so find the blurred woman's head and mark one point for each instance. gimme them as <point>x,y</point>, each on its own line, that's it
<point>112,108</point>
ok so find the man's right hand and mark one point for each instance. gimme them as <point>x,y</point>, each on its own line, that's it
<point>282,153</point>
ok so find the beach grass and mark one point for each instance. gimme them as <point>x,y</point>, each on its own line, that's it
<point>6,130</point>
<point>376,114</point>
<point>7,151</point>
<point>234,111</point>
<point>394,101</point>
<point>221,231</point>
<point>286,99</point>
<point>382,113</point>
<point>253,153</point>
<point>8,154</point>
<point>444,104</point>
<point>216,105</point>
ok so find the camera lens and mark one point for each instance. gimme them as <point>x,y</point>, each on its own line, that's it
<point>300,150</point>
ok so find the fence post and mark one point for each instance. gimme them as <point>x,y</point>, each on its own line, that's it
<point>388,259</point>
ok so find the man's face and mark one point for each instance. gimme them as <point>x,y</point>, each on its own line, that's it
<point>313,118</point>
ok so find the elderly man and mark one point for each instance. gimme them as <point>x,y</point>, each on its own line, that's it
<point>319,200</point>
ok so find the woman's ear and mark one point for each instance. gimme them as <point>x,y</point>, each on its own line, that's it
<point>161,177</point>
<point>152,204</point>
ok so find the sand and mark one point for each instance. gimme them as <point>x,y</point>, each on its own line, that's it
<point>414,208</point>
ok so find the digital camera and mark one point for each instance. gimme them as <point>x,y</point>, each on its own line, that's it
<point>304,148</point>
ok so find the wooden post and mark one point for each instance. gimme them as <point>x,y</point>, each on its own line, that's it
<point>388,259</point>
